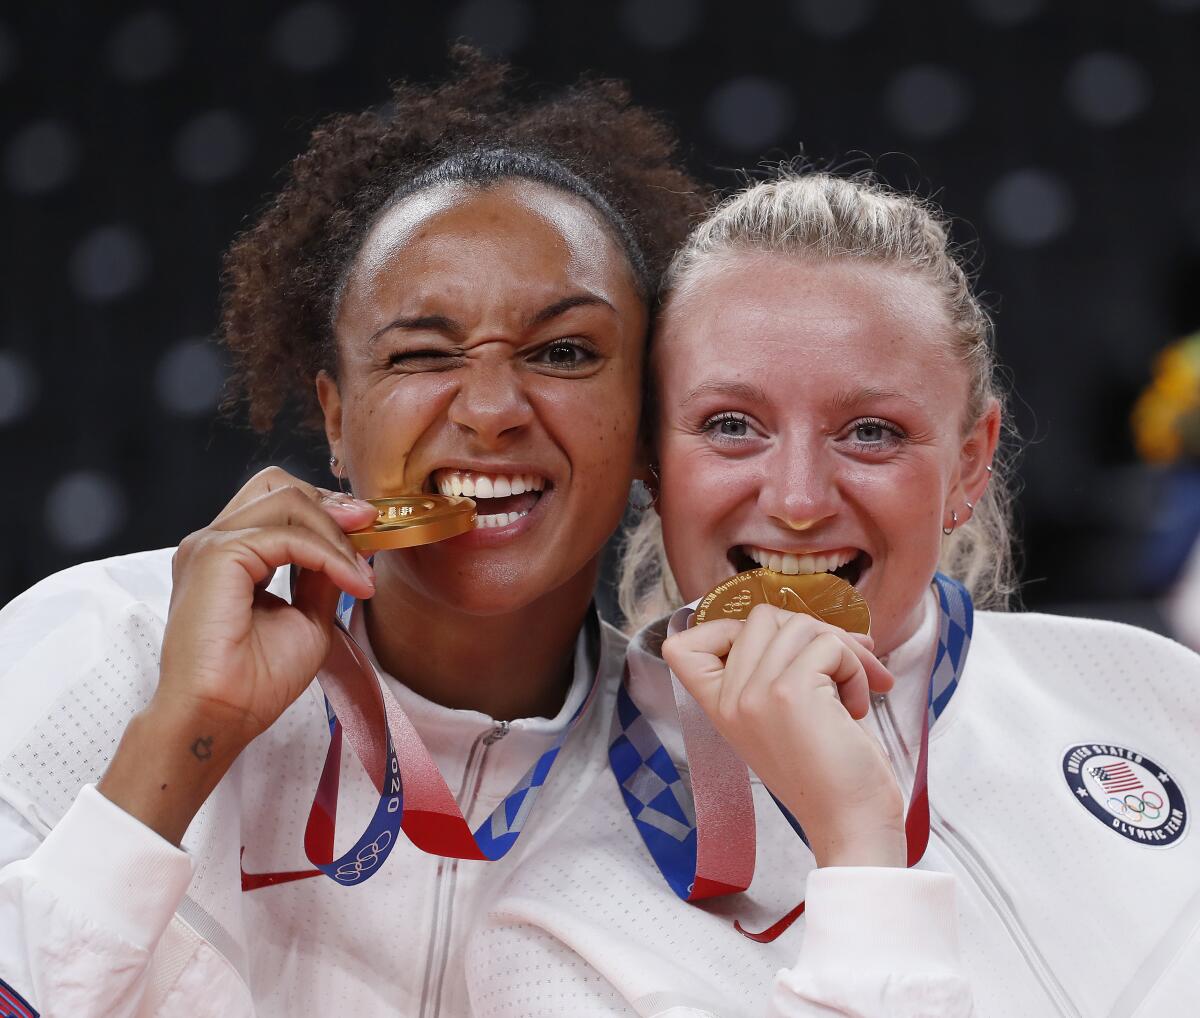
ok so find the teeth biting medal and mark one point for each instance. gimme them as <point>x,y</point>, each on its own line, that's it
<point>821,595</point>
<point>409,520</point>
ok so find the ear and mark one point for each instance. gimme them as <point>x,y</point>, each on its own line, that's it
<point>975,459</point>
<point>331,406</point>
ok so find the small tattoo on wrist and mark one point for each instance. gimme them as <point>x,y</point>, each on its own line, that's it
<point>202,747</point>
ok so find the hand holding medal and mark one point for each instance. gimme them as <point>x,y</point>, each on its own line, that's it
<point>234,655</point>
<point>785,687</point>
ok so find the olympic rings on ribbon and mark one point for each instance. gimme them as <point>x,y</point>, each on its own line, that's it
<point>364,861</point>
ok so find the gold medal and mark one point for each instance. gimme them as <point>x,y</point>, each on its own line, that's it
<point>821,595</point>
<point>415,519</point>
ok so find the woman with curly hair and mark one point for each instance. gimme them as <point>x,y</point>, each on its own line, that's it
<point>457,291</point>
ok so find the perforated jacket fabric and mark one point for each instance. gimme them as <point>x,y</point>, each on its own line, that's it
<point>1031,899</point>
<point>100,916</point>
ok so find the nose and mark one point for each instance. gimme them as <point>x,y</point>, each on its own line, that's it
<point>491,403</point>
<point>799,488</point>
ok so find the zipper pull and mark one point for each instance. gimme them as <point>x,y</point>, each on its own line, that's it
<point>496,734</point>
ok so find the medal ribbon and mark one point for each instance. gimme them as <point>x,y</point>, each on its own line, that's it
<point>720,780</point>
<point>413,795</point>
<point>702,840</point>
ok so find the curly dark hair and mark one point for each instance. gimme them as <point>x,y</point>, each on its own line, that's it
<point>282,278</point>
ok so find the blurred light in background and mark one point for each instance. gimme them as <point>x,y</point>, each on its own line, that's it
<point>41,157</point>
<point>84,509</point>
<point>927,101</point>
<point>832,19</point>
<point>1006,13</point>
<point>660,24</point>
<point>189,378</point>
<point>143,47</point>
<point>1029,207</point>
<point>18,387</point>
<point>108,263</point>
<point>212,147</point>
<point>309,37</point>
<point>1107,89</point>
<point>749,114</point>
<point>496,26</point>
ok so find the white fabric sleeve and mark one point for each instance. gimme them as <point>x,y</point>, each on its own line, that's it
<point>81,914</point>
<point>877,942</point>
<point>18,837</point>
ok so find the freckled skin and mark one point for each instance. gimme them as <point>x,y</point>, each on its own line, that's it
<point>803,334</point>
<point>490,260</point>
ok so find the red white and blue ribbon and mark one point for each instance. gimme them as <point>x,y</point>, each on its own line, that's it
<point>706,851</point>
<point>413,795</point>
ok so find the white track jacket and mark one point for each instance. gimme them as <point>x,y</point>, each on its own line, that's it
<point>101,917</point>
<point>1063,778</point>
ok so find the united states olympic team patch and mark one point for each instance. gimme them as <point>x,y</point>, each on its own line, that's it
<point>1127,792</point>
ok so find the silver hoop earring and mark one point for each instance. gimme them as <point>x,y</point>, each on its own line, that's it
<point>953,523</point>
<point>341,479</point>
<point>988,468</point>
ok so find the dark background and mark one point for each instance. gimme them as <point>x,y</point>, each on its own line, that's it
<point>135,143</point>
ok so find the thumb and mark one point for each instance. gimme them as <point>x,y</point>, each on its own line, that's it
<point>315,596</point>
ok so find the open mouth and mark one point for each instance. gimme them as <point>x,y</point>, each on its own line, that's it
<point>500,499</point>
<point>847,564</point>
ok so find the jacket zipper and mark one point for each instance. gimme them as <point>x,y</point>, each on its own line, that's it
<point>447,876</point>
<point>973,865</point>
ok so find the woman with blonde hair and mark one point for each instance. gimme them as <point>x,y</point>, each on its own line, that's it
<point>983,811</point>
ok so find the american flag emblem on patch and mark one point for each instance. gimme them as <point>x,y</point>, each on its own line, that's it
<point>13,1005</point>
<point>1117,778</point>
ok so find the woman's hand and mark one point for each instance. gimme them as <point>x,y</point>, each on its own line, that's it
<point>234,656</point>
<point>786,691</point>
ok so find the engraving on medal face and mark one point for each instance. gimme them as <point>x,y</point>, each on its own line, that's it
<point>793,606</point>
<point>405,521</point>
<point>736,604</point>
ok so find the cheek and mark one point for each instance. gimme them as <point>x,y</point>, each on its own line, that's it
<point>701,493</point>
<point>905,507</point>
<point>597,427</point>
<point>386,424</point>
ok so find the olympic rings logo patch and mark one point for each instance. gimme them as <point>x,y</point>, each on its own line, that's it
<point>365,860</point>
<point>1127,791</point>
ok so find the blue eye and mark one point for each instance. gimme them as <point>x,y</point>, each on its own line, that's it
<point>728,426</point>
<point>873,434</point>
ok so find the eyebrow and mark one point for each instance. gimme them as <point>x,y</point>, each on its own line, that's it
<point>561,307</point>
<point>742,391</point>
<point>848,398</point>
<point>449,327</point>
